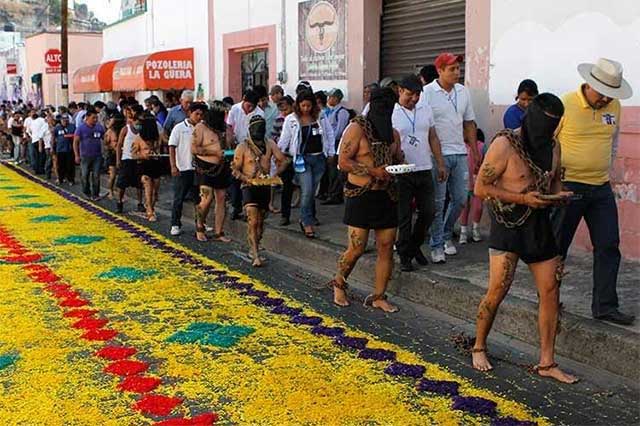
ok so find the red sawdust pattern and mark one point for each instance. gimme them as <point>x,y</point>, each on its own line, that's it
<point>80,313</point>
<point>53,288</point>
<point>115,353</point>
<point>157,405</point>
<point>44,276</point>
<point>73,302</point>
<point>99,335</point>
<point>126,367</point>
<point>90,323</point>
<point>25,258</point>
<point>65,294</point>
<point>139,384</point>
<point>206,419</point>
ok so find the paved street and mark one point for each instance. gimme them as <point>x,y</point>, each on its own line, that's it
<point>600,399</point>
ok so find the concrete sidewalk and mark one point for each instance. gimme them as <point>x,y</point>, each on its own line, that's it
<point>457,286</point>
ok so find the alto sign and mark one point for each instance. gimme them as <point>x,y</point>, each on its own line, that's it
<point>12,68</point>
<point>53,59</point>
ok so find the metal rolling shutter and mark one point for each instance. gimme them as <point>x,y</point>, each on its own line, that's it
<point>414,32</point>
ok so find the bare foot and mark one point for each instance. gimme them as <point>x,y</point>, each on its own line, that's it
<point>554,372</point>
<point>152,217</point>
<point>200,236</point>
<point>480,360</point>
<point>340,297</point>
<point>384,305</point>
<point>110,195</point>
<point>222,238</point>
<point>257,262</point>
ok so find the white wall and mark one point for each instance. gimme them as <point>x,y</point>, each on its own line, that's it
<point>167,25</point>
<point>546,39</point>
<point>239,15</point>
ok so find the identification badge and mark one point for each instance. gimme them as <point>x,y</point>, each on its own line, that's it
<point>413,141</point>
<point>60,132</point>
<point>315,132</point>
<point>609,119</point>
<point>97,135</point>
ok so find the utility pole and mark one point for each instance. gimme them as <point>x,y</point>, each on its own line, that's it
<point>64,49</point>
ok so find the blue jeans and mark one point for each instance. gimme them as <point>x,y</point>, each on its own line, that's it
<point>456,183</point>
<point>598,208</point>
<point>182,186</point>
<point>309,181</point>
<point>90,167</point>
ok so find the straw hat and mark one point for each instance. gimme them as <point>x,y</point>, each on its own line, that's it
<point>605,76</point>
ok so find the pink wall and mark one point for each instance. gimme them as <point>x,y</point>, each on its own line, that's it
<point>84,49</point>
<point>212,49</point>
<point>363,47</point>
<point>234,43</point>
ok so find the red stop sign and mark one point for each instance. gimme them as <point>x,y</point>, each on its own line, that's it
<point>53,58</point>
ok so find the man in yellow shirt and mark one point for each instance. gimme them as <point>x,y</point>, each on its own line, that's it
<point>588,135</point>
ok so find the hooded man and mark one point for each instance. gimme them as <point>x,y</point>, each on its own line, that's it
<point>368,145</point>
<point>520,178</point>
<point>251,166</point>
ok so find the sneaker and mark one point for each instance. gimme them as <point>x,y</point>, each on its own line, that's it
<point>437,256</point>
<point>449,248</point>
<point>475,235</point>
<point>175,231</point>
<point>208,228</point>
<point>463,238</point>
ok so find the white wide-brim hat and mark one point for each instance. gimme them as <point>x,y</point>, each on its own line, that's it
<point>605,77</point>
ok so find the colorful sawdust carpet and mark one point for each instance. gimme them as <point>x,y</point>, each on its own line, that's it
<point>104,322</point>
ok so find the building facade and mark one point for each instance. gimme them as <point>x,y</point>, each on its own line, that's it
<point>155,26</point>
<point>42,79</point>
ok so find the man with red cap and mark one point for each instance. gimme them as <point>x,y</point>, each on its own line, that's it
<point>455,126</point>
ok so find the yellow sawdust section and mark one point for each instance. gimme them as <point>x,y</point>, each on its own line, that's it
<point>281,374</point>
<point>55,381</point>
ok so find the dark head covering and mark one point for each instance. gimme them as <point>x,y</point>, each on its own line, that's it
<point>381,107</point>
<point>258,131</point>
<point>539,124</point>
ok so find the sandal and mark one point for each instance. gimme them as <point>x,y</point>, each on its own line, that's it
<point>341,286</point>
<point>308,234</point>
<point>151,217</point>
<point>368,301</point>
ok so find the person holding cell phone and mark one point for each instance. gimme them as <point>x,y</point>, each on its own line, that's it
<point>517,169</point>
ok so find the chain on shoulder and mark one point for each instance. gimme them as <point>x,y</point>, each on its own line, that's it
<point>540,181</point>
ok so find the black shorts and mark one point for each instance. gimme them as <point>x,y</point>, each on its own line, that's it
<point>219,181</point>
<point>110,159</point>
<point>533,241</point>
<point>151,168</point>
<point>371,210</point>
<point>129,174</point>
<point>256,196</point>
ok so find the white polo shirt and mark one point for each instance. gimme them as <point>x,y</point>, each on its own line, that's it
<point>413,127</point>
<point>181,136</point>
<point>239,120</point>
<point>450,110</point>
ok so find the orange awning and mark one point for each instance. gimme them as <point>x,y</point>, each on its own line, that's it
<point>94,78</point>
<point>170,69</point>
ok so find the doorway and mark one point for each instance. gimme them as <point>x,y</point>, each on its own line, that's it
<point>255,68</point>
